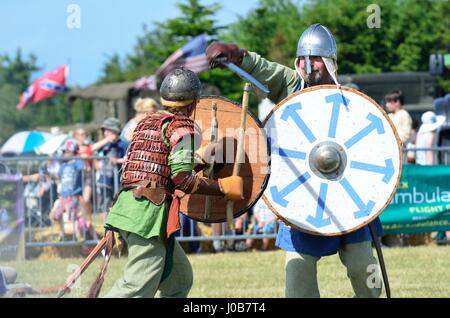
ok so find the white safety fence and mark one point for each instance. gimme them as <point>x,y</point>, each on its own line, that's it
<point>40,181</point>
<point>41,184</point>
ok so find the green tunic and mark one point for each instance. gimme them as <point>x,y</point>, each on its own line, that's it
<point>141,216</point>
<point>281,80</point>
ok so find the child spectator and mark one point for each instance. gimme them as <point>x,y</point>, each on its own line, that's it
<point>264,223</point>
<point>70,174</point>
<point>403,124</point>
<point>85,150</point>
<point>402,120</point>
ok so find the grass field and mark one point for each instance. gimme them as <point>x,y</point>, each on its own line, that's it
<point>413,272</point>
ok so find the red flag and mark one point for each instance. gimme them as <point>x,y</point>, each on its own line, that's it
<point>48,85</point>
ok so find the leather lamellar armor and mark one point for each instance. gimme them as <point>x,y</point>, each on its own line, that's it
<point>147,159</point>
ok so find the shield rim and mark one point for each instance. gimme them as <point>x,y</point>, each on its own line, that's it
<point>399,147</point>
<point>267,176</point>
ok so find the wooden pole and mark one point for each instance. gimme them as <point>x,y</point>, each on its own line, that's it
<point>240,153</point>
<point>210,168</point>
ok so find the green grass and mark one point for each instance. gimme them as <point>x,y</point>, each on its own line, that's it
<point>413,272</point>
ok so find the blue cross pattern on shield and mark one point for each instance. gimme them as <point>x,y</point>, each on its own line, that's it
<point>335,160</point>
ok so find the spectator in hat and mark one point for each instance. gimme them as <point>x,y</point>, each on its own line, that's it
<point>114,148</point>
<point>426,137</point>
<point>143,106</point>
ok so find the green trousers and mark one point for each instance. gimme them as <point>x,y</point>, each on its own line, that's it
<point>144,269</point>
<point>362,270</point>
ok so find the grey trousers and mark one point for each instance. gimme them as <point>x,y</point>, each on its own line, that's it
<point>144,269</point>
<point>9,287</point>
<point>9,273</point>
<point>362,270</point>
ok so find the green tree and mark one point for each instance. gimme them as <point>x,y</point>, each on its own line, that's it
<point>157,43</point>
<point>113,71</point>
<point>409,31</point>
<point>16,70</point>
<point>265,28</point>
<point>163,38</point>
<point>15,74</point>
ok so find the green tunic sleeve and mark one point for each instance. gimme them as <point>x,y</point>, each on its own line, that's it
<point>281,80</point>
<point>182,157</point>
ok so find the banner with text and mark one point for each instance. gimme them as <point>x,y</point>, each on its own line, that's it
<point>422,201</point>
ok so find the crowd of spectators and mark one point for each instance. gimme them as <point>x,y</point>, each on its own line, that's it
<point>82,175</point>
<point>77,180</point>
<point>418,141</point>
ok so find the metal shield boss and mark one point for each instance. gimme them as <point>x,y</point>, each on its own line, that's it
<point>221,117</point>
<point>336,160</point>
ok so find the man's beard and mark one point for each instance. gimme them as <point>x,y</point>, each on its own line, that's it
<point>314,78</point>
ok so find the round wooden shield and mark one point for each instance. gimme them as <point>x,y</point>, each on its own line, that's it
<point>254,171</point>
<point>335,160</point>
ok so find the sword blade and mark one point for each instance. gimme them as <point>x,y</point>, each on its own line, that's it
<point>244,74</point>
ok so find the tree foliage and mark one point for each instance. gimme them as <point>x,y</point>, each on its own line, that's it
<point>409,31</point>
<point>162,39</point>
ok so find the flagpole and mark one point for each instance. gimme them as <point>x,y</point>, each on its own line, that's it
<point>67,74</point>
<point>68,71</point>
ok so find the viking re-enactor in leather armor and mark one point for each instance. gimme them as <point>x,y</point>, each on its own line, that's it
<point>315,64</point>
<point>160,159</point>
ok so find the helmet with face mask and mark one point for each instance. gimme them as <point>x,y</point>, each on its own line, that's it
<point>317,40</point>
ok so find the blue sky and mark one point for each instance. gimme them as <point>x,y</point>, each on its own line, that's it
<point>106,27</point>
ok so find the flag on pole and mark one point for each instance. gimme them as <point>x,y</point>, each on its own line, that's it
<point>146,83</point>
<point>48,85</point>
<point>192,56</point>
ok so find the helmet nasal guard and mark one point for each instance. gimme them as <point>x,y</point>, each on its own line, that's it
<point>317,40</point>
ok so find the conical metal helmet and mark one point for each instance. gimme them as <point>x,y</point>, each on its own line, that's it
<point>179,88</point>
<point>317,40</point>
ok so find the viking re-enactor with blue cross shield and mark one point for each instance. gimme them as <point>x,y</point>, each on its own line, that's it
<point>315,64</point>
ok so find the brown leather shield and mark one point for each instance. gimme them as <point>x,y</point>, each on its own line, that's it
<point>254,171</point>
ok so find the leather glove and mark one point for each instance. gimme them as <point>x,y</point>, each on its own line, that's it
<point>232,187</point>
<point>233,53</point>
